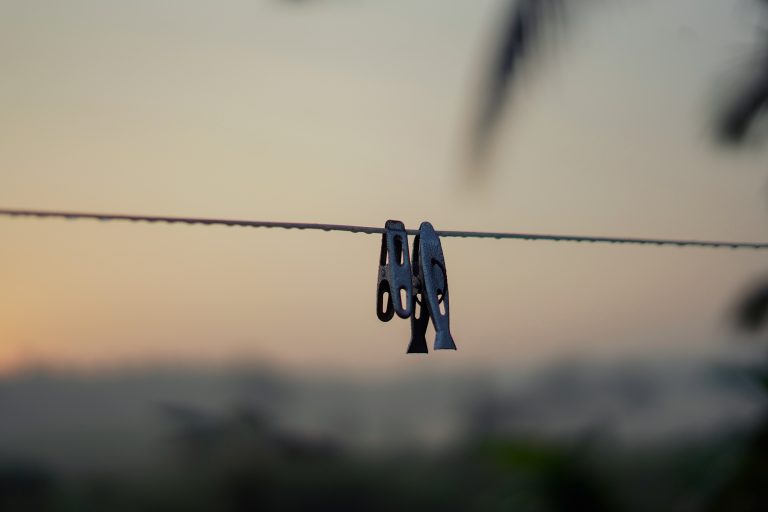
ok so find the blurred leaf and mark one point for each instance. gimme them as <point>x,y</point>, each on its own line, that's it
<point>752,312</point>
<point>522,28</point>
<point>746,107</point>
<point>523,454</point>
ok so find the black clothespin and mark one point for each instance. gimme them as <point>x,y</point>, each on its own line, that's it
<point>420,311</point>
<point>394,273</point>
<point>430,292</point>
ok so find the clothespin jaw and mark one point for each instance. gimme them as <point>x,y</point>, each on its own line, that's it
<point>394,279</point>
<point>434,281</point>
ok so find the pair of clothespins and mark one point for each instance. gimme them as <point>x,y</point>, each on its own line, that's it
<point>416,289</point>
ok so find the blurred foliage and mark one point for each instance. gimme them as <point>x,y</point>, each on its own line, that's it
<point>752,311</point>
<point>248,465</point>
<point>523,27</point>
<point>522,31</point>
<point>746,107</point>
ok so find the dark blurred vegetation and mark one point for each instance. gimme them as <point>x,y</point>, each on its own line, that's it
<point>247,467</point>
<point>246,458</point>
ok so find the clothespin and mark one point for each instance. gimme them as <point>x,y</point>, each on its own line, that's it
<point>417,289</point>
<point>420,313</point>
<point>430,285</point>
<point>395,279</point>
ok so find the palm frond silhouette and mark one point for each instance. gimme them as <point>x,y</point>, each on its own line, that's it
<point>524,22</point>
<point>523,29</point>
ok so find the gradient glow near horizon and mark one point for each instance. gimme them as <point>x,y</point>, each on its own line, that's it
<point>356,112</point>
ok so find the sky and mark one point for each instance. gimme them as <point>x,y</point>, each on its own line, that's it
<point>346,111</point>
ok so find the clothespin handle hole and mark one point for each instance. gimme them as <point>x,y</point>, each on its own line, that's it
<point>403,298</point>
<point>441,302</point>
<point>417,308</point>
<point>384,308</point>
<point>437,267</point>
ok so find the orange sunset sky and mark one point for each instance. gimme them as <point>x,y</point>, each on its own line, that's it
<point>356,112</point>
